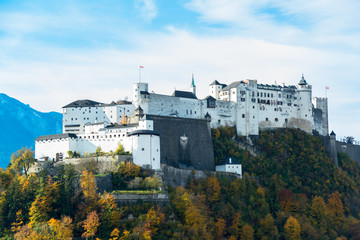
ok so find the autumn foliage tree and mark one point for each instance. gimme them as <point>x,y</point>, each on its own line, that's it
<point>91,225</point>
<point>42,207</point>
<point>22,160</point>
<point>292,229</point>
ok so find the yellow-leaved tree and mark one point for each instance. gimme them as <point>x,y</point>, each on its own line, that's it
<point>42,206</point>
<point>22,160</point>
<point>292,229</point>
<point>247,233</point>
<point>88,187</point>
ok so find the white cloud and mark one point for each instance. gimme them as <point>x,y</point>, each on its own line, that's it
<point>147,9</point>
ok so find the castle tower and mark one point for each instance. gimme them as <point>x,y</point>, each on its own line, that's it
<point>193,87</point>
<point>333,151</point>
<point>304,98</point>
<point>215,88</point>
<point>321,118</point>
<point>137,89</point>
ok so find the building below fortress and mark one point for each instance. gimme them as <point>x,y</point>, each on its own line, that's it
<point>175,129</point>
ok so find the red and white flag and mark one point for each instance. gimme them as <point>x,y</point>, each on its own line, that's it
<point>141,66</point>
<point>327,88</point>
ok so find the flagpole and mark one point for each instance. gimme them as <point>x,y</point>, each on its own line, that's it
<point>139,74</point>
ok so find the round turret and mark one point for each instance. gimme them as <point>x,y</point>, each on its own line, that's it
<point>302,81</point>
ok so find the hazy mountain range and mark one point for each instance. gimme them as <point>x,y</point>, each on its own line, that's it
<point>20,125</point>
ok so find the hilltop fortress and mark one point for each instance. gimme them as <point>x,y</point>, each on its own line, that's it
<point>175,129</point>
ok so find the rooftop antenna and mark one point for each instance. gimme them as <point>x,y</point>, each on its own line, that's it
<point>140,67</point>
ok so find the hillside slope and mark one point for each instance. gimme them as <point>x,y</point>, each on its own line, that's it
<point>20,125</point>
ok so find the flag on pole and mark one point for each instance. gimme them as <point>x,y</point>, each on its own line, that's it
<point>327,88</point>
<point>141,66</point>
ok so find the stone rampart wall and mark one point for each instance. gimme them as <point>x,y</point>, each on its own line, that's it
<point>103,164</point>
<point>180,177</point>
<point>194,150</point>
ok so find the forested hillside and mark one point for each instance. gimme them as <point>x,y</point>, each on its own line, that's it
<point>290,190</point>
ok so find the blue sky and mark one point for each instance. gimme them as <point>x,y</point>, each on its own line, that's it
<point>54,52</point>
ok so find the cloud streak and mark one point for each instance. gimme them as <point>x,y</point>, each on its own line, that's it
<point>49,58</point>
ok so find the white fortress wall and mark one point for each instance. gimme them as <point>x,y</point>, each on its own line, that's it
<point>49,148</point>
<point>224,113</point>
<point>163,105</point>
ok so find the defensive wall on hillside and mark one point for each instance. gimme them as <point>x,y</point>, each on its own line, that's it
<point>180,177</point>
<point>333,147</point>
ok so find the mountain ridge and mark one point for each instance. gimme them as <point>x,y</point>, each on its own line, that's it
<point>20,125</point>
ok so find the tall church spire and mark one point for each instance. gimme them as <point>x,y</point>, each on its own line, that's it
<point>193,87</point>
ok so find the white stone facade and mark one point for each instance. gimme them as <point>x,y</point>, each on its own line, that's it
<point>245,104</point>
<point>138,139</point>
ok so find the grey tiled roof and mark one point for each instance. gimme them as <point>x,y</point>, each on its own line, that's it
<point>56,136</point>
<point>184,94</point>
<point>83,103</point>
<point>232,85</point>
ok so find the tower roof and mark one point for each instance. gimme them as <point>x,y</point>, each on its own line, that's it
<point>302,81</point>
<point>332,133</point>
<point>215,82</point>
<point>192,81</point>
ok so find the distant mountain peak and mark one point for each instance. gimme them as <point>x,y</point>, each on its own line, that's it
<point>20,125</point>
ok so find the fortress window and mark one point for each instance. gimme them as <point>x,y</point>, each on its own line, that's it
<point>190,111</point>
<point>276,119</point>
<point>243,99</point>
<point>268,94</point>
<point>142,149</point>
<point>219,121</point>
<point>279,95</point>
<point>272,95</point>
<point>289,104</point>
<point>258,94</point>
<point>253,107</point>
<point>128,110</point>
<point>275,109</point>
<point>72,119</point>
<point>305,115</point>
<point>253,94</point>
<point>195,113</point>
<point>266,119</point>
<point>261,94</point>
<point>187,111</point>
<point>243,115</point>
<point>75,118</point>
